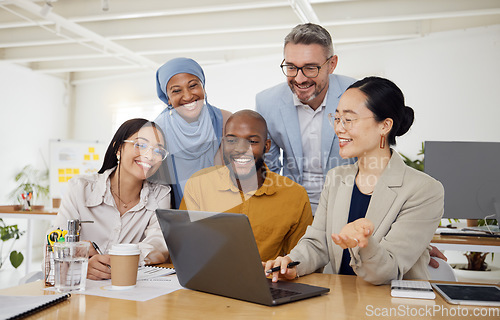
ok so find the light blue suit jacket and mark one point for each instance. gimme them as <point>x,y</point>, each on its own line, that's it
<point>277,107</point>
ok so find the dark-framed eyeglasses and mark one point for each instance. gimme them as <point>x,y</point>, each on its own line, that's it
<point>290,70</point>
<point>143,147</point>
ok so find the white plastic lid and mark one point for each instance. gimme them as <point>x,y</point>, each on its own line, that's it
<point>125,249</point>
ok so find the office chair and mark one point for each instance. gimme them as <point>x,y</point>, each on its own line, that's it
<point>444,272</point>
<point>32,276</point>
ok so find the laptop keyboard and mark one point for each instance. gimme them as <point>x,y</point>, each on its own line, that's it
<point>281,293</point>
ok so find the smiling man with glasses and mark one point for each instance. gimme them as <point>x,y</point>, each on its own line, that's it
<point>296,113</point>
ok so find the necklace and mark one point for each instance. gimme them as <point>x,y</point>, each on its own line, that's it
<point>125,205</point>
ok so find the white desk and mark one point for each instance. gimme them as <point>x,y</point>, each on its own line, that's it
<point>12,213</point>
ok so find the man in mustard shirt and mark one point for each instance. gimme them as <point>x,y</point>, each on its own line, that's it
<point>246,185</point>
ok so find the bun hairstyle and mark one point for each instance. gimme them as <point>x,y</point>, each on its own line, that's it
<point>386,100</point>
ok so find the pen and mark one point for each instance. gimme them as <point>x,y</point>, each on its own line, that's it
<point>96,247</point>
<point>290,265</point>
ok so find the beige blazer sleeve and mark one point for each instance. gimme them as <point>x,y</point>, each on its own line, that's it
<point>405,208</point>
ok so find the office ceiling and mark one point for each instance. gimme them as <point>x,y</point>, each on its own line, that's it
<point>82,40</point>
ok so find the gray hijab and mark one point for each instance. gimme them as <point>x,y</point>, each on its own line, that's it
<point>193,145</point>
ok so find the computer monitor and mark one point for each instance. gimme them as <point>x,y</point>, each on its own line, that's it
<point>470,174</point>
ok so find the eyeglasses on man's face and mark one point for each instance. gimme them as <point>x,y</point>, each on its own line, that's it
<point>346,122</point>
<point>290,70</point>
<point>143,147</point>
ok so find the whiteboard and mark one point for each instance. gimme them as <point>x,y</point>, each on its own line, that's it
<point>70,158</point>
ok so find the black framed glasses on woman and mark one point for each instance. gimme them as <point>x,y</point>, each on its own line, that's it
<point>309,71</point>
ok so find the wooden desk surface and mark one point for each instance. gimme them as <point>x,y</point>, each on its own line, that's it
<point>466,240</point>
<point>15,210</point>
<point>350,297</point>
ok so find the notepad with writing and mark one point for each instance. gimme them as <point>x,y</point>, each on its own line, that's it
<point>412,289</point>
<point>152,272</point>
<point>16,307</point>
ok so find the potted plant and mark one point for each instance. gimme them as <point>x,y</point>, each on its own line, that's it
<point>10,232</point>
<point>31,180</point>
<point>417,163</point>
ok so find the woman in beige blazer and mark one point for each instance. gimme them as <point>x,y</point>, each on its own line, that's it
<point>376,217</point>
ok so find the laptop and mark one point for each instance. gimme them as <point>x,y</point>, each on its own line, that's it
<point>216,253</point>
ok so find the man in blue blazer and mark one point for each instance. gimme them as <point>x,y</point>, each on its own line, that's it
<point>297,111</point>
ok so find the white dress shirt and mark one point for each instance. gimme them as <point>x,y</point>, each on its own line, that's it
<point>310,122</point>
<point>89,198</point>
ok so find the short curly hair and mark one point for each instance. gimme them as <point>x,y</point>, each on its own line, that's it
<point>310,33</point>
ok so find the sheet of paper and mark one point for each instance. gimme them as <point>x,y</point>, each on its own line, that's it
<point>143,291</point>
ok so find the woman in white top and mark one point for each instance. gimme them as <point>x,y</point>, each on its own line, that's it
<point>119,199</point>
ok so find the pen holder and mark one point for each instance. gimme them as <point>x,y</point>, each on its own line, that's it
<point>25,203</point>
<point>49,266</point>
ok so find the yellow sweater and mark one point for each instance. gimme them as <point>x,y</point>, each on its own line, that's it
<point>279,211</point>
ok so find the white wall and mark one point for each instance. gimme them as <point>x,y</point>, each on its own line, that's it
<point>95,103</point>
<point>33,111</point>
<point>450,79</point>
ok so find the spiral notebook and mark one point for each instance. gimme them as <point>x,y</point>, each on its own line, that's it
<point>16,307</point>
<point>152,273</point>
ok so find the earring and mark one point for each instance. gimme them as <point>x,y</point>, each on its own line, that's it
<point>382,142</point>
<point>118,158</point>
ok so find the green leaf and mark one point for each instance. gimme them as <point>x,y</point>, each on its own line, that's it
<point>30,179</point>
<point>16,258</point>
<point>9,232</point>
<point>417,163</point>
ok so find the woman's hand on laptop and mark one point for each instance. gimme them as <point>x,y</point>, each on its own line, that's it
<point>284,272</point>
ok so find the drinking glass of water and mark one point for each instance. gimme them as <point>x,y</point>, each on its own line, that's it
<point>71,262</point>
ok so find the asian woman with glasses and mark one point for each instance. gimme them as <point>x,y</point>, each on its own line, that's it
<point>119,199</point>
<point>376,217</point>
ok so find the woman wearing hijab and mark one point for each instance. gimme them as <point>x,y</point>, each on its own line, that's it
<point>376,217</point>
<point>193,128</point>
